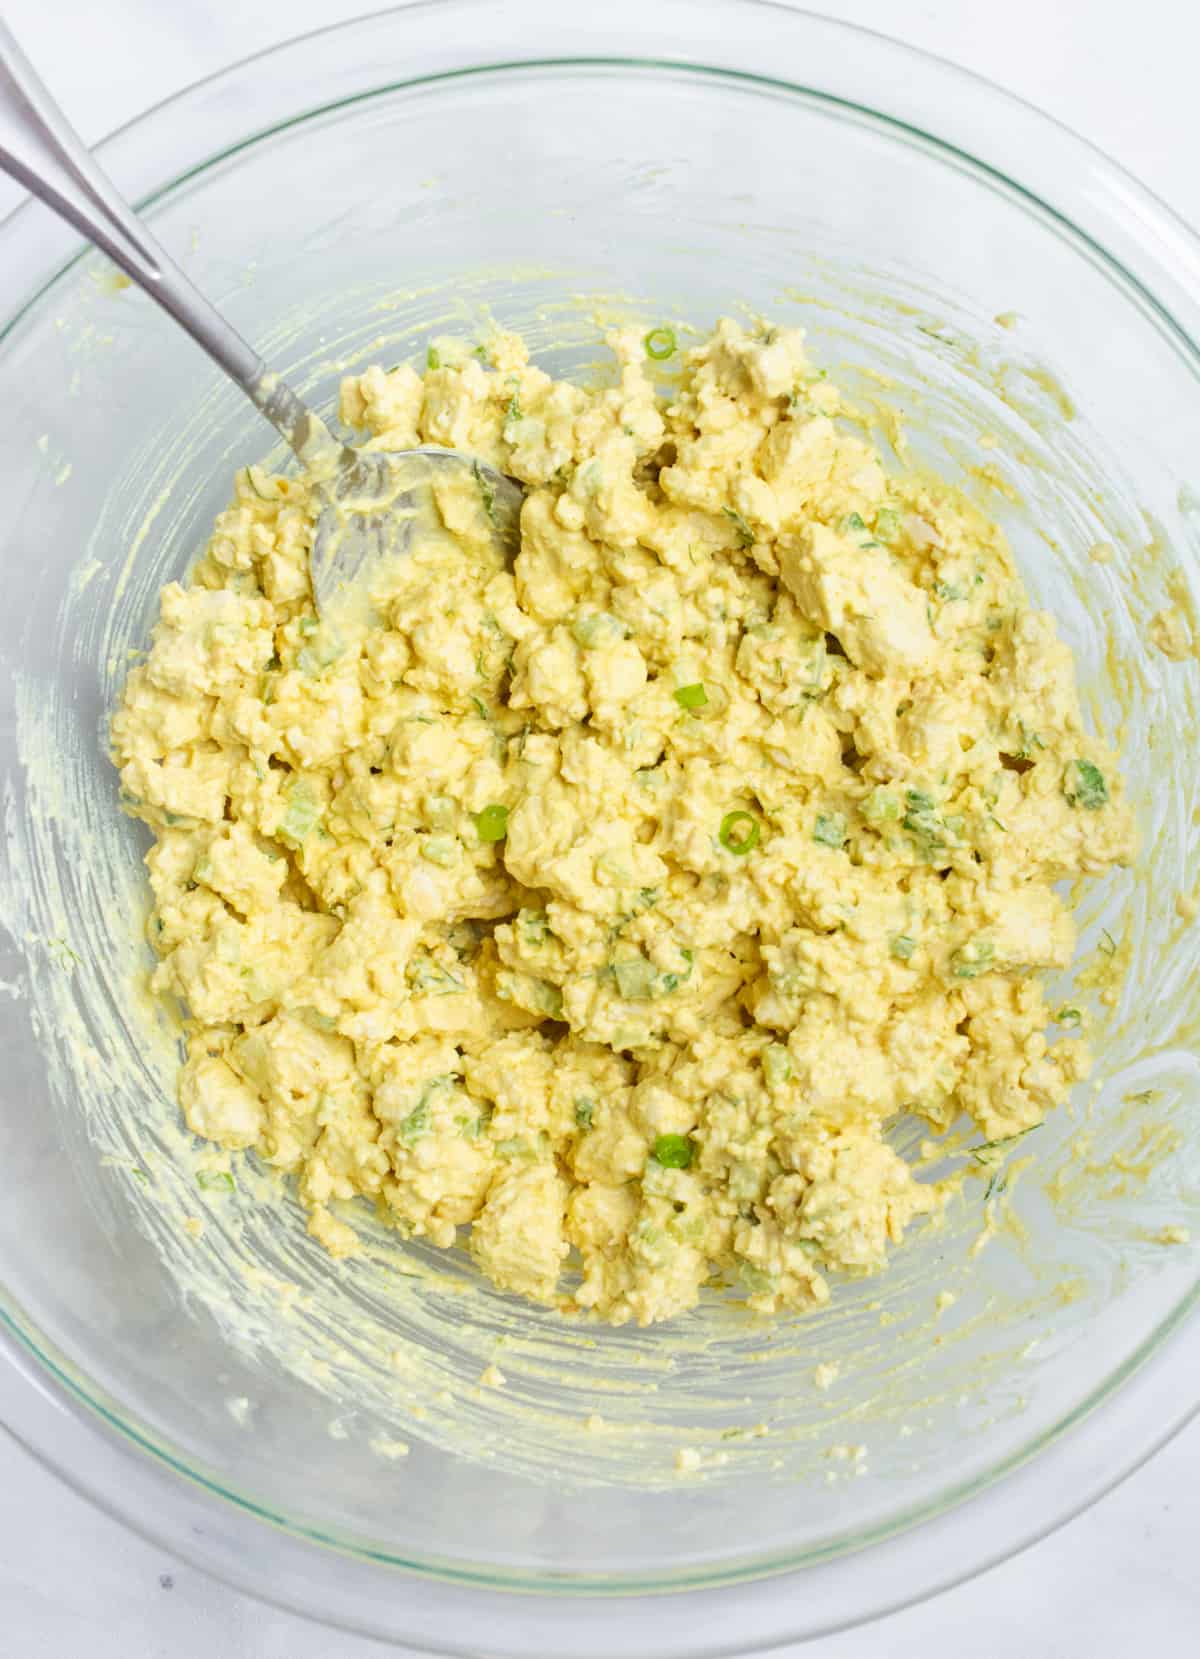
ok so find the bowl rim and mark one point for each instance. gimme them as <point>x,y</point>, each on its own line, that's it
<point>1164,258</point>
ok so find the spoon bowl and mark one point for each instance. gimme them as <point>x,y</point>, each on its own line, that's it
<point>370,502</point>
<point>377,500</point>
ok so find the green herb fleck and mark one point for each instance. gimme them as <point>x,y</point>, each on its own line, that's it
<point>487,491</point>
<point>1069,1017</point>
<point>635,978</point>
<point>433,358</point>
<point>512,413</point>
<point>585,1111</point>
<point>745,533</point>
<point>921,820</point>
<point>424,974</point>
<point>1084,785</point>
<point>902,946</point>
<point>672,981</point>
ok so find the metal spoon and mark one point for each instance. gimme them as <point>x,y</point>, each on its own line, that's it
<point>368,498</point>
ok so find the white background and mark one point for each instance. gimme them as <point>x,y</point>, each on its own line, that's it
<point>1124,1578</point>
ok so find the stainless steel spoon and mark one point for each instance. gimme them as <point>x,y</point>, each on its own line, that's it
<point>368,498</point>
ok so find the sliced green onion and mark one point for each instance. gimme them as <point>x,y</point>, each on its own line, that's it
<point>881,807</point>
<point>691,696</point>
<point>548,997</point>
<point>62,955</point>
<point>492,823</point>
<point>902,947</point>
<point>740,832</point>
<point>887,524</point>
<point>433,358</point>
<point>585,1111</point>
<point>777,1065</point>
<point>973,959</point>
<point>635,978</point>
<point>301,815</point>
<point>830,829</point>
<point>660,344</point>
<point>440,811</point>
<point>673,1151</point>
<point>1069,1017</point>
<point>597,628</point>
<point>440,849</point>
<point>313,660</point>
<point>534,927</point>
<point>416,1124</point>
<point>214,1180</point>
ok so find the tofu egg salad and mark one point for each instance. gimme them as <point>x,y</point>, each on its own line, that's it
<point>601,910</point>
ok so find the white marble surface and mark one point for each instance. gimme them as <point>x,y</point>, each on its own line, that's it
<point>1120,1580</point>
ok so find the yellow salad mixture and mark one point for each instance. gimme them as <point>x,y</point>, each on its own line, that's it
<point>612,904</point>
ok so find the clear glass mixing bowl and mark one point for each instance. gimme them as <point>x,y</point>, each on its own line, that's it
<point>187,1355</point>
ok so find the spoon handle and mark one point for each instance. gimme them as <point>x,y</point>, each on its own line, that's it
<point>41,150</point>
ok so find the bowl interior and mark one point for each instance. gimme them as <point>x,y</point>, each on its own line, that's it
<point>557,199</point>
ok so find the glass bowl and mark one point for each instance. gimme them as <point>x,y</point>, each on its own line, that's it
<point>321,1435</point>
